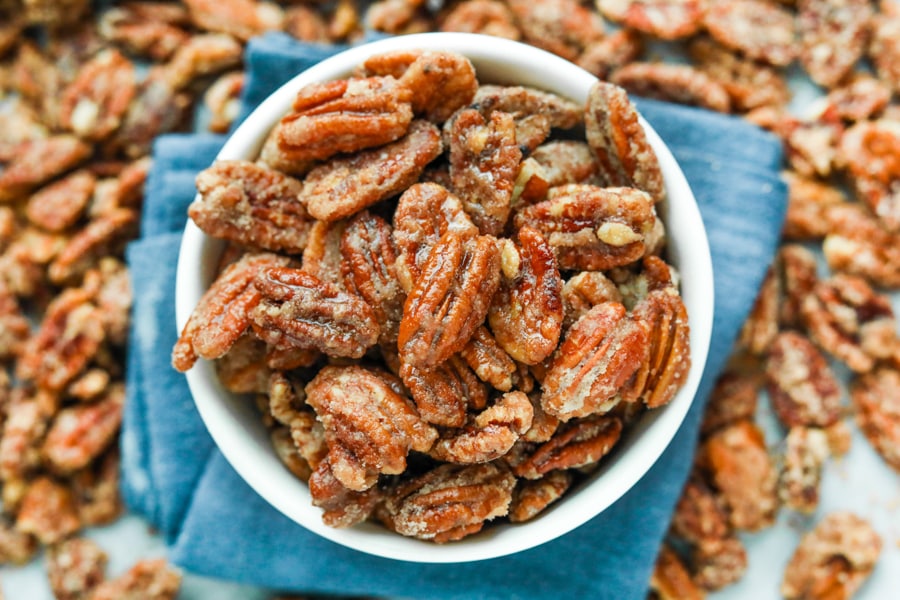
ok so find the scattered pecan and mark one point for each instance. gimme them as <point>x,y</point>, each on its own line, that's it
<point>14,325</point>
<point>345,116</point>
<point>719,563</point>
<point>683,84</point>
<point>450,299</point>
<point>859,244</point>
<point>16,547</point>
<point>884,49</point>
<point>619,142</point>
<point>449,502</point>
<point>251,204</point>
<point>700,519</point>
<point>368,427</point>
<point>531,497</point>
<point>80,433</point>
<point>527,310</point>
<point>563,27</point>
<point>59,205</point>
<point>797,267</point>
<point>861,98</point>
<point>96,490</point>
<point>443,394</point>
<point>592,228</point>
<point>103,236</point>
<point>490,434</point>
<point>302,311</point>
<point>761,326</point>
<point>613,51</point>
<point>396,16</point>
<point>75,567</point>
<point>92,106</point>
<point>802,387</point>
<point>222,315</point>
<point>806,449</point>
<point>665,20</point>
<point>488,17</point>
<point>833,37</point>
<point>47,511</point>
<point>39,161</point>
<point>222,100</point>
<point>871,152</point>
<point>812,148</point>
<point>574,445</point>
<point>346,185</point>
<point>23,429</point>
<point>149,579</point>
<point>671,580</point>
<point>762,31</point>
<point>734,397</point>
<point>484,161</point>
<point>742,470</point>
<point>877,404</point>
<point>809,204</point>
<point>202,55</point>
<point>152,29</point>
<point>241,18</point>
<point>833,560</point>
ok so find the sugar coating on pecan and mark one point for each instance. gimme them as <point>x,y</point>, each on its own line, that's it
<point>75,567</point>
<point>833,37</point>
<point>806,449</point>
<point>671,580</point>
<point>152,579</point>
<point>875,399</point>
<point>531,497</point>
<point>676,83</point>
<point>665,20</point>
<point>489,360</point>
<point>574,445</point>
<point>444,394</point>
<point>759,30</point>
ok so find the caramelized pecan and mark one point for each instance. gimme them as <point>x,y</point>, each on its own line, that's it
<point>877,405</point>
<point>443,394</point>
<point>92,106</point>
<point>577,444</point>
<point>531,497</point>
<point>489,360</point>
<point>341,506</point>
<point>860,244</point>
<point>666,20</point>
<point>802,388</point>
<point>670,579</point>
<point>80,433</point>
<point>806,449</point>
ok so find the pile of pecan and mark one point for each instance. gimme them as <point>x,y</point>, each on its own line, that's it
<point>448,311</point>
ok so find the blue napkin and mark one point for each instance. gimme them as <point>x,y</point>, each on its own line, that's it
<point>217,526</point>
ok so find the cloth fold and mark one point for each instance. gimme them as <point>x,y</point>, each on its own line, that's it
<point>217,526</point>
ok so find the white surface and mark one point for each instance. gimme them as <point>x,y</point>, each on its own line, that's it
<point>244,441</point>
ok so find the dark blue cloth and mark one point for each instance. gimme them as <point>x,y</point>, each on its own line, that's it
<point>217,526</point>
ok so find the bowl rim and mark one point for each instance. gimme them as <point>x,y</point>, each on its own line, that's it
<point>221,413</point>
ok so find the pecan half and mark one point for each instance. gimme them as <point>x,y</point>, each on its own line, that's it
<point>619,141</point>
<point>341,506</point>
<point>759,30</point>
<point>47,511</point>
<point>59,205</point>
<point>104,235</point>
<point>683,84</point>
<point>592,228</point>
<point>671,580</point>
<point>222,314</point>
<point>443,394</point>
<point>252,205</point>
<point>833,560</point>
<point>488,17</point>
<point>734,397</point>
<point>489,360</point>
<point>806,449</point>
<point>574,445</point>
<point>305,312</point>
<point>719,563</point>
<point>80,433</point>
<point>870,150</point>
<point>877,405</point>
<point>368,427</point>
<point>75,567</point>
<point>666,20</point>
<point>527,311</point>
<point>243,19</point>
<point>153,575</point>
<point>450,299</point>
<point>449,502</point>
<point>345,185</point>
<point>563,27</point>
<point>93,105</point>
<point>859,244</point>
<point>39,161</point>
<point>600,353</point>
<point>531,497</point>
<point>833,37</point>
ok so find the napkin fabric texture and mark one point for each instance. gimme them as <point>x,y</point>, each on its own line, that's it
<point>217,526</point>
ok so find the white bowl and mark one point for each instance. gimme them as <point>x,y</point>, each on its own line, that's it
<point>237,428</point>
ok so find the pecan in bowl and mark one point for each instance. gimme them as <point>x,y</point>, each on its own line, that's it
<point>460,350</point>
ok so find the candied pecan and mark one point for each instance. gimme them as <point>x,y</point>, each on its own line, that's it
<point>613,51</point>
<point>69,337</point>
<point>761,30</point>
<point>487,17</point>
<point>733,398</point>
<point>20,125</point>
<point>490,434</point>
<point>440,82</point>
<point>676,83</point>
<point>241,18</point>
<point>283,159</point>
<point>450,299</point>
<point>92,106</point>
<point>322,255</point>
<point>761,325</point>
<point>222,314</point>
<point>75,567</point>
<point>719,563</point>
<point>345,21</point>
<point>114,298</point>
<point>444,393</point>
<point>833,37</point>
<point>670,579</point>
<point>448,502</point>
<point>600,353</point>
<point>802,388</point>
<point>202,55</point>
<point>89,385</point>
<point>489,360</point>
<point>396,16</point>
<point>342,507</point>
<point>699,518</point>
<point>535,112</point>
<point>343,186</point>
<point>484,162</point>
<point>584,291</point>
<point>96,490</point>
<point>425,212</point>
<point>368,427</point>
<point>39,81</point>
<point>54,14</point>
<point>288,454</point>
<point>574,445</point>
<point>811,148</point>
<point>859,99</point>
<point>871,152</point>
<point>306,23</point>
<point>806,449</point>
<point>151,29</point>
<point>531,497</point>
<point>833,560</point>
<point>80,433</point>
<point>14,325</point>
<point>563,27</point>
<point>877,404</point>
<point>222,100</point>
<point>148,579</point>
<point>797,269</point>
<point>104,235</point>
<point>527,310</point>
<point>859,244</point>
<point>251,204</point>
<point>308,435</point>
<point>23,429</point>
<point>749,84</point>
<point>667,20</point>
<point>592,228</point>
<point>567,161</point>
<point>157,109</point>
<point>59,205</point>
<point>16,547</point>
<point>884,49</point>
<point>303,311</point>
<point>47,511</point>
<point>345,116</point>
<point>809,203</point>
<point>619,141</point>
<point>850,321</point>
<point>286,398</point>
<point>40,160</point>
<point>743,472</point>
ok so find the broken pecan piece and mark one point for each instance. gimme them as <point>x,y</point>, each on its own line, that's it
<point>252,205</point>
<point>806,449</point>
<point>489,360</point>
